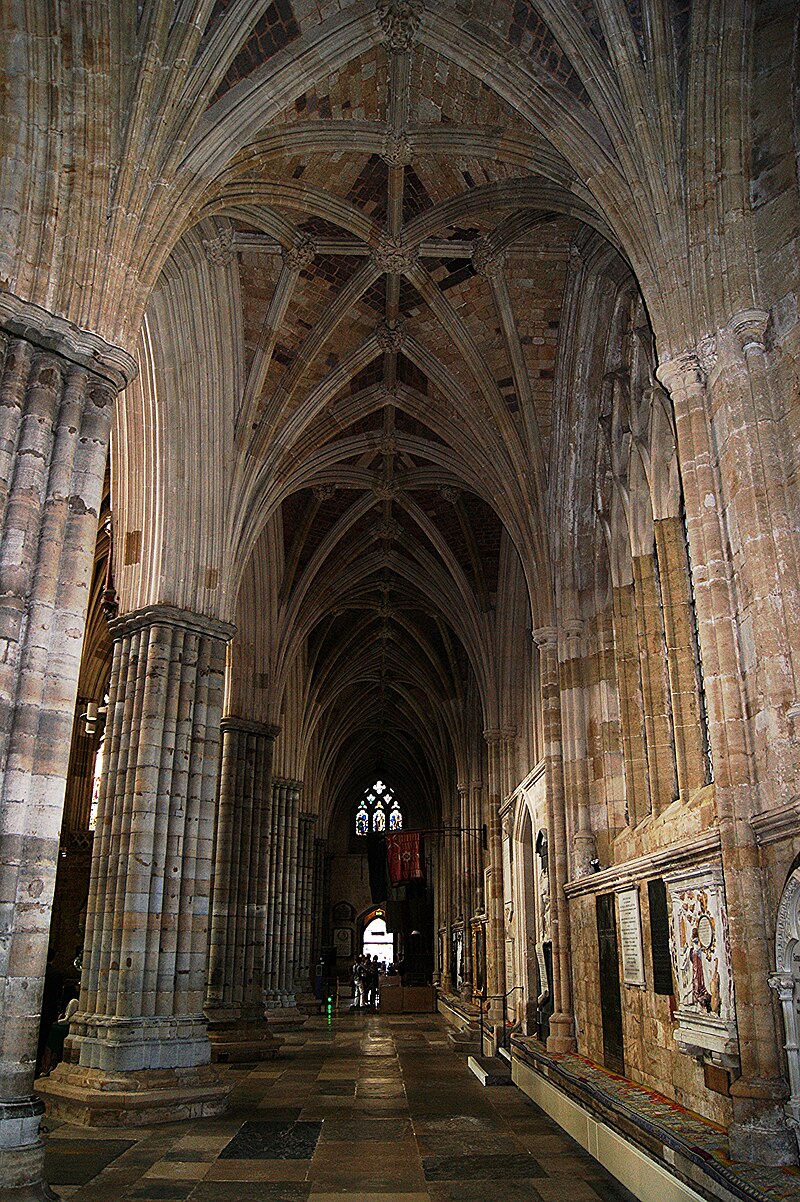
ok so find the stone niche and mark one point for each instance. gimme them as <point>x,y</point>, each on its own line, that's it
<point>700,945</point>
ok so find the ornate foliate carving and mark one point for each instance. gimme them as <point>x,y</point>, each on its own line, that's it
<point>400,21</point>
<point>487,260</point>
<point>300,256</point>
<point>391,255</point>
<point>396,151</point>
<point>390,336</point>
<point>220,250</point>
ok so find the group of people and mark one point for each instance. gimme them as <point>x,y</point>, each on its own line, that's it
<point>366,982</point>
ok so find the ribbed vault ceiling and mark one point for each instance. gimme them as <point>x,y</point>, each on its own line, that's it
<point>401,236</point>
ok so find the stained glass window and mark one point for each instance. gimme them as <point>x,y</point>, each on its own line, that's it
<point>378,810</point>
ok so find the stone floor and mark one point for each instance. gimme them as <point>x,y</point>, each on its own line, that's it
<point>359,1106</point>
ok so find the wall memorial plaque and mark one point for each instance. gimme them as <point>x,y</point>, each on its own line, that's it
<point>630,932</point>
<point>706,1016</point>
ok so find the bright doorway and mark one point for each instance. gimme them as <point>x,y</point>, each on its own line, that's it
<point>378,941</point>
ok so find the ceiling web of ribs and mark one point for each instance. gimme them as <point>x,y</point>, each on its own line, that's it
<point>401,299</point>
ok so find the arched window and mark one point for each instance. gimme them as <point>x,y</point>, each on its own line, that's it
<point>378,811</point>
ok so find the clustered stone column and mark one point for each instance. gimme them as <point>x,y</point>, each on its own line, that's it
<point>576,767</point>
<point>629,687</point>
<point>659,735</point>
<point>237,952</point>
<point>500,771</point>
<point>680,636</point>
<point>57,389</point>
<point>561,1038</point>
<point>758,1131</point>
<point>303,949</point>
<point>320,896</point>
<point>138,1049</point>
<point>282,893</point>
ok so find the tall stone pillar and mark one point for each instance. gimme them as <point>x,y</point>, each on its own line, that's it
<point>138,1050</point>
<point>304,904</point>
<point>274,893</point>
<point>235,997</point>
<point>691,760</point>
<point>497,741</point>
<point>758,1131</point>
<point>659,733</point>
<point>319,898</point>
<point>464,886</point>
<point>576,752</point>
<point>283,893</point>
<point>57,388</point>
<point>629,688</point>
<point>561,1038</point>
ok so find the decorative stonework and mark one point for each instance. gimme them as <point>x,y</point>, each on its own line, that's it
<point>396,151</point>
<point>451,494</point>
<point>700,945</point>
<point>300,256</point>
<point>390,337</point>
<point>324,492</point>
<point>400,21</point>
<point>681,373</point>
<point>389,529</point>
<point>391,255</point>
<point>220,250</point>
<point>707,354</point>
<point>487,260</point>
<point>749,326</point>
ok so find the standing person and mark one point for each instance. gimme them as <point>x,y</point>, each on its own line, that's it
<point>358,983</point>
<point>376,981</point>
<point>371,975</point>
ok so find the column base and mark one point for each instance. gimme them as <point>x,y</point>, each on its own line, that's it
<point>561,1037</point>
<point>759,1133</point>
<point>308,1003</point>
<point>282,1018</point>
<point>22,1152</point>
<point>95,1098</point>
<point>235,1042</point>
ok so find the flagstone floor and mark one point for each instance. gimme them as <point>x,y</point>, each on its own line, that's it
<point>361,1106</point>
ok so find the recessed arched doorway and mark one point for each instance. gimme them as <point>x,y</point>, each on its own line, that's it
<point>378,940</point>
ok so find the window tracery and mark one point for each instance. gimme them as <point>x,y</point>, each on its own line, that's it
<point>378,810</point>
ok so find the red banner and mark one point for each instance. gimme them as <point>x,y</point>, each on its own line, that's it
<point>402,850</point>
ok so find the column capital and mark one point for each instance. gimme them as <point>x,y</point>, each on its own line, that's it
<point>572,632</point>
<point>783,983</point>
<point>500,734</point>
<point>232,722</point>
<point>749,327</point>
<point>307,816</point>
<point>681,373</point>
<point>170,615</point>
<point>62,337</point>
<point>545,638</point>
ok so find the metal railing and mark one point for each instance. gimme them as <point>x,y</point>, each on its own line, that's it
<point>497,997</point>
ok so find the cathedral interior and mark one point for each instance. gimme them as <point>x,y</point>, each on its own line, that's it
<point>399,550</point>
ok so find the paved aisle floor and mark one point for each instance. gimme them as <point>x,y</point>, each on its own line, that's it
<point>364,1107</point>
